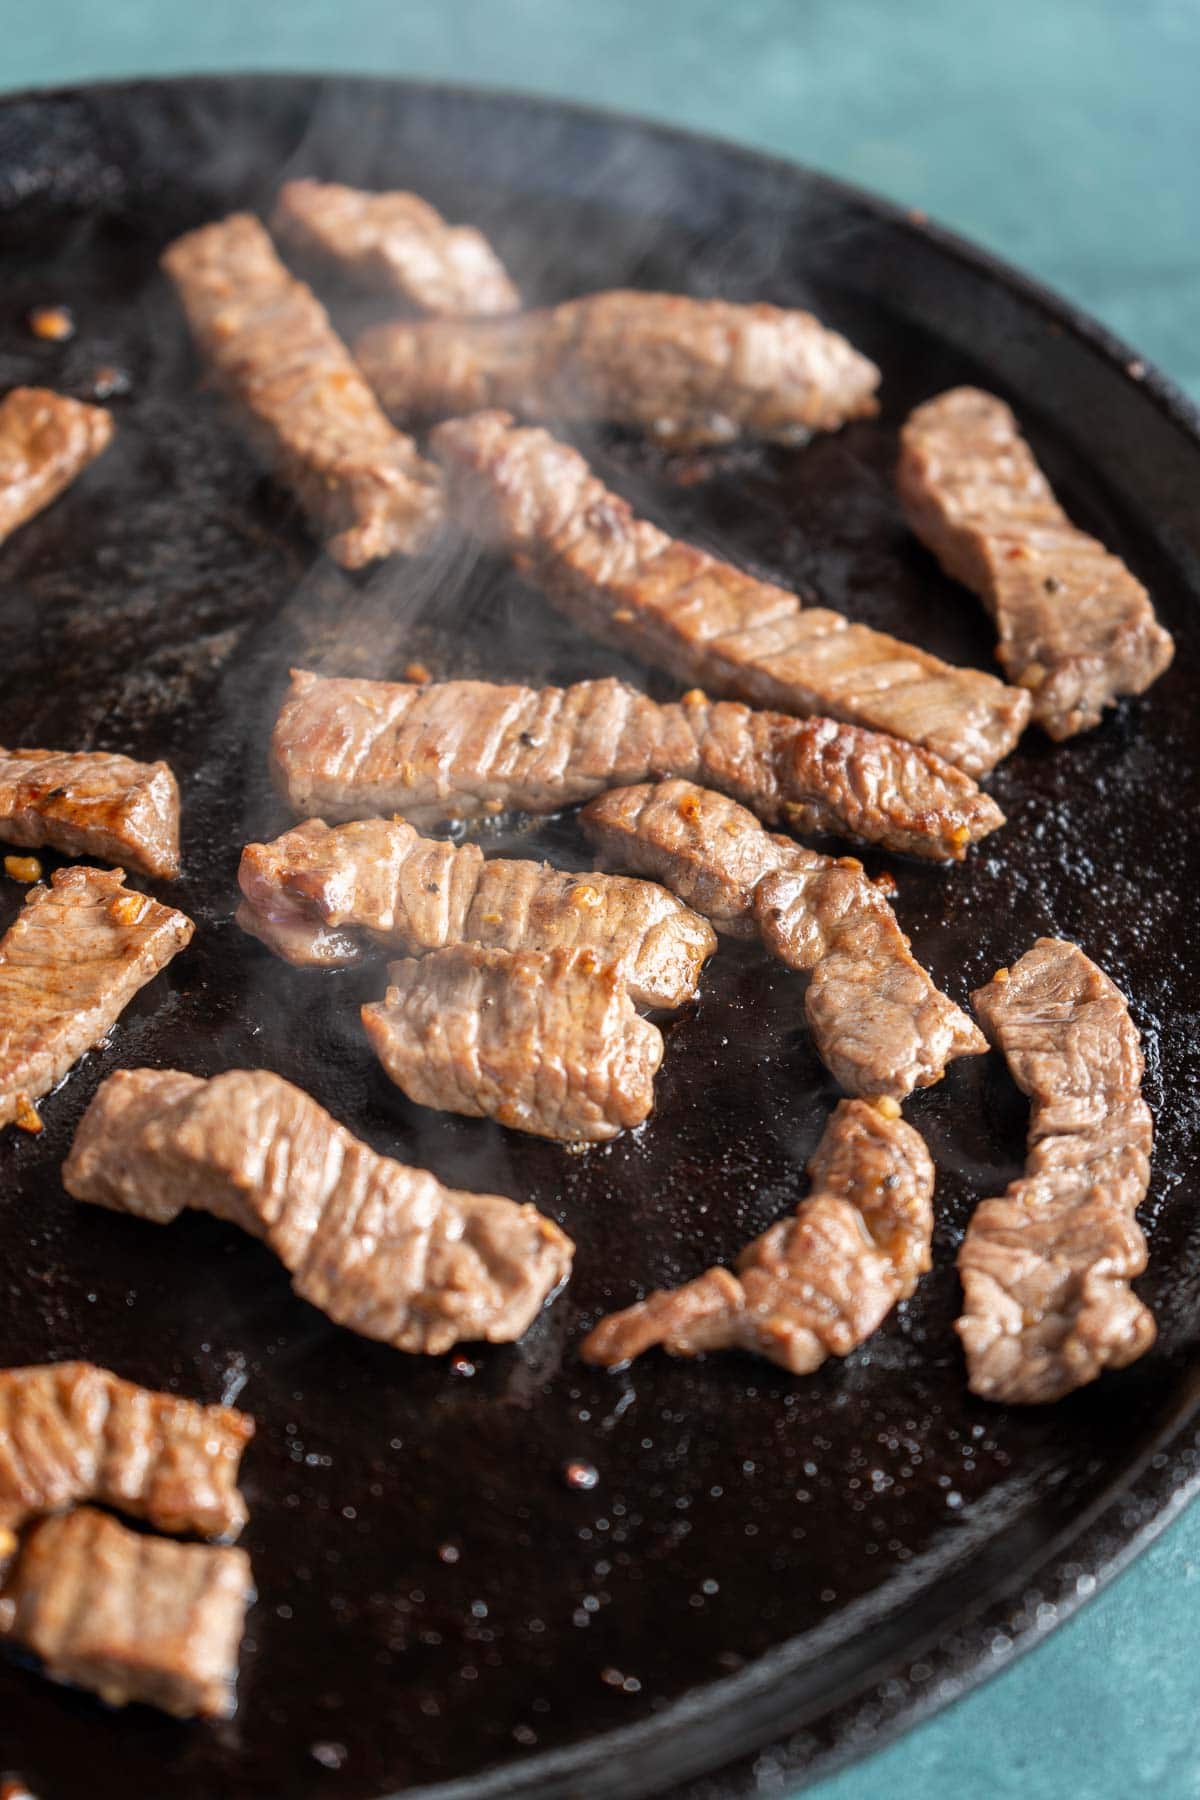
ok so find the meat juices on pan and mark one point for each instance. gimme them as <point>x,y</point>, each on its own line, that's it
<point>70,963</point>
<point>394,243</point>
<point>1047,1304</point>
<point>814,1285</point>
<point>689,372</point>
<point>549,1044</point>
<point>46,440</point>
<point>1076,627</point>
<point>306,407</point>
<point>346,748</point>
<point>380,1248</point>
<point>91,803</point>
<point>127,1616</point>
<point>878,1022</point>
<point>701,619</point>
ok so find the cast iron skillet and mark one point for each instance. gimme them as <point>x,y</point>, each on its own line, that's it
<point>813,1562</point>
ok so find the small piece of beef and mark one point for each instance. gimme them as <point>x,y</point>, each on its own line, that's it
<point>383,1249</point>
<point>316,892</point>
<point>395,243</point>
<point>91,803</point>
<point>546,1043</point>
<point>879,1024</point>
<point>1076,628</point>
<point>306,407</point>
<point>46,440</point>
<point>69,965</point>
<point>689,372</point>
<point>347,748</point>
<point>130,1617</point>
<point>1047,1304</point>
<point>702,619</point>
<point>817,1284</point>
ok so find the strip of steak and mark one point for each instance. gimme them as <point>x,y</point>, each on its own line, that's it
<point>1047,1304</point>
<point>879,1024</point>
<point>347,748</point>
<point>69,965</point>
<point>394,243</point>
<point>70,1431</point>
<point>312,417</point>
<point>127,1616</point>
<point>316,893</point>
<point>91,803</point>
<point>699,618</point>
<point>383,1249</point>
<point>1076,627</point>
<point>46,440</point>
<point>817,1284</point>
<point>545,1043</point>
<point>689,372</point>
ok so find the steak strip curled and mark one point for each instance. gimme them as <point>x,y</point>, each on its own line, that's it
<point>46,440</point>
<point>91,803</point>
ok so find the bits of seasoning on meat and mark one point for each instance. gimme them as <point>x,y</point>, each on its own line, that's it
<point>1032,676</point>
<point>887,1107</point>
<point>1001,975</point>
<point>127,909</point>
<point>54,324</point>
<point>416,671</point>
<point>27,1117</point>
<point>583,1476</point>
<point>23,868</point>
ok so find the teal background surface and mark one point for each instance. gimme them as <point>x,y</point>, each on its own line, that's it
<point>1062,134</point>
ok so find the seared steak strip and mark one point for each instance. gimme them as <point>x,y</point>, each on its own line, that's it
<point>817,1284</point>
<point>69,965</point>
<point>879,1024</point>
<point>383,1249</point>
<point>91,803</point>
<point>701,619</point>
<point>1047,1304</point>
<point>347,748</point>
<point>1076,627</point>
<point>46,440</point>
<point>687,371</point>
<point>305,405</point>
<point>129,1617</point>
<point>395,243</point>
<point>546,1043</point>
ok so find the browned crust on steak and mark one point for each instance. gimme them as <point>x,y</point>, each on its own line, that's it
<point>46,440</point>
<point>92,803</point>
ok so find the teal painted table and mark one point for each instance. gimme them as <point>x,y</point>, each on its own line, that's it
<point>1064,134</point>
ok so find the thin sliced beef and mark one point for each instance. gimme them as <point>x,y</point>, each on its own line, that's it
<point>817,1284</point>
<point>46,440</point>
<point>1047,1304</point>
<point>383,1249</point>
<point>1076,627</point>
<point>91,803</point>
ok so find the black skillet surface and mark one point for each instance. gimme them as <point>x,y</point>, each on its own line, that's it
<point>811,1561</point>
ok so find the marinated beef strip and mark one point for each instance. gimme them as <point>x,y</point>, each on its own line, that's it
<point>71,1431</point>
<point>689,372</point>
<point>1047,1304</point>
<point>347,748</point>
<point>880,1025</point>
<point>1076,627</point>
<point>129,1616</point>
<point>701,619</point>
<point>306,407</point>
<point>316,893</point>
<point>545,1043</point>
<point>817,1284</point>
<point>46,440</point>
<point>91,803</point>
<point>69,965</point>
<point>383,1249</point>
<point>394,243</point>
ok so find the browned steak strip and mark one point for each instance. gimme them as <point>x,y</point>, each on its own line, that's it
<point>383,1249</point>
<point>306,407</point>
<point>70,1431</point>
<point>69,965</point>
<point>317,892</point>
<point>129,1617</point>
<point>395,243</point>
<point>46,440</point>
<point>878,1022</point>
<point>688,371</point>
<point>347,748</point>
<point>1076,627</point>
<point>817,1284</point>
<point>91,803</point>
<point>701,619</point>
<point>1047,1304</point>
<point>546,1043</point>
